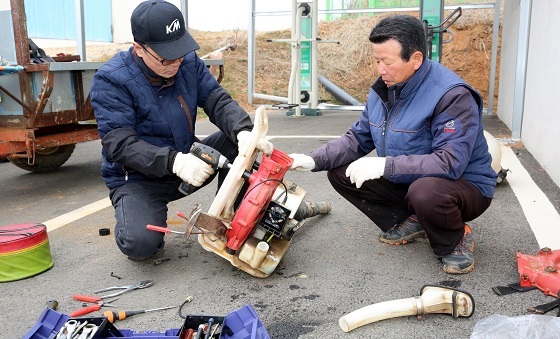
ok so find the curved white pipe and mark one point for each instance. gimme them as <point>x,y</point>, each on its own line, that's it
<point>377,312</point>
<point>434,299</point>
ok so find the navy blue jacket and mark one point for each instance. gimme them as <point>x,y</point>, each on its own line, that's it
<point>144,120</point>
<point>429,126</point>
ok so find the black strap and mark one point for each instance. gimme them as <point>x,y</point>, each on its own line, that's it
<point>544,308</point>
<point>511,288</point>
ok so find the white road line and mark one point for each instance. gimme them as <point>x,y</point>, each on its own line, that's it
<point>538,210</point>
<point>69,217</point>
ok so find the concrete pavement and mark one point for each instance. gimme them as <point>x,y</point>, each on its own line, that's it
<point>334,266</point>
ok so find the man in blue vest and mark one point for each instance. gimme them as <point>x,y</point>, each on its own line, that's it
<point>432,171</point>
<point>145,102</point>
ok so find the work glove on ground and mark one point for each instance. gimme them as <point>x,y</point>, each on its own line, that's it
<point>191,169</point>
<point>365,169</point>
<point>302,162</point>
<point>263,145</point>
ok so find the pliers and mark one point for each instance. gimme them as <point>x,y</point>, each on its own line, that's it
<point>142,284</point>
<point>88,309</point>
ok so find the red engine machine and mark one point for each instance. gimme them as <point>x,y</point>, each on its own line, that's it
<point>255,234</point>
<point>263,184</point>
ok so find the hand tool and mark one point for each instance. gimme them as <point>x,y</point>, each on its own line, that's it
<point>88,331</point>
<point>92,308</point>
<point>188,334</point>
<point>121,315</point>
<point>79,328</point>
<point>210,322</point>
<point>142,284</point>
<point>210,156</point>
<point>215,330</point>
<point>67,330</point>
<point>199,332</point>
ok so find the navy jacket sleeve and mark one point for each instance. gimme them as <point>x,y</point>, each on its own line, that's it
<point>116,118</point>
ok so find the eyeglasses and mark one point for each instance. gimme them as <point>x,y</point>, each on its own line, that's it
<point>164,62</point>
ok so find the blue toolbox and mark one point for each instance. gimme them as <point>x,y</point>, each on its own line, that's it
<point>240,324</point>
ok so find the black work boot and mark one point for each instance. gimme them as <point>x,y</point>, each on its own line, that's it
<point>461,260</point>
<point>404,232</point>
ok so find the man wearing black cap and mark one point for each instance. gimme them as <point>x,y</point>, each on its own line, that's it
<point>145,101</point>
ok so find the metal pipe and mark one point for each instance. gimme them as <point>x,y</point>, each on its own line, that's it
<point>294,91</point>
<point>337,92</point>
<point>251,54</point>
<point>493,61</point>
<point>80,29</point>
<point>521,68</point>
<point>314,99</point>
<point>270,97</point>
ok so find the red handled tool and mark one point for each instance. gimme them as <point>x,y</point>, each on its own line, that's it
<point>92,308</point>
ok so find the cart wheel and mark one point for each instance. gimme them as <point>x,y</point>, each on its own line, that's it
<point>46,160</point>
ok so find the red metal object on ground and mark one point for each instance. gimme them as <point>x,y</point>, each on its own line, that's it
<point>263,183</point>
<point>540,271</point>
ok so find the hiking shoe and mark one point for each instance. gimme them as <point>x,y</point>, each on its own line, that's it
<point>461,260</point>
<point>404,232</point>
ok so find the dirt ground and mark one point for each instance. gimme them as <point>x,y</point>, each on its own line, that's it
<point>348,64</point>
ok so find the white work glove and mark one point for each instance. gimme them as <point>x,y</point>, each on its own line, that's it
<point>302,162</point>
<point>191,169</point>
<point>365,169</point>
<point>263,145</point>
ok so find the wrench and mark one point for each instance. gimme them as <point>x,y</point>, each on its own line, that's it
<point>142,284</point>
<point>88,331</point>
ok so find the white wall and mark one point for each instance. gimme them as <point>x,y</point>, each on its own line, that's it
<point>541,111</point>
<point>4,5</point>
<point>508,61</point>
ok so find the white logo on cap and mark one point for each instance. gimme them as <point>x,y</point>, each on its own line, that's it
<point>175,25</point>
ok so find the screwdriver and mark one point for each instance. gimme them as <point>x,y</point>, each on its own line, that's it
<point>121,315</point>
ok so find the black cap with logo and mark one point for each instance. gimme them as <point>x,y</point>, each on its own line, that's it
<point>161,25</point>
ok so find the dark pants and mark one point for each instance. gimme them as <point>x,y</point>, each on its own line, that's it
<point>442,205</point>
<point>139,203</point>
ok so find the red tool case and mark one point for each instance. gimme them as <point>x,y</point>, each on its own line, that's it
<point>24,251</point>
